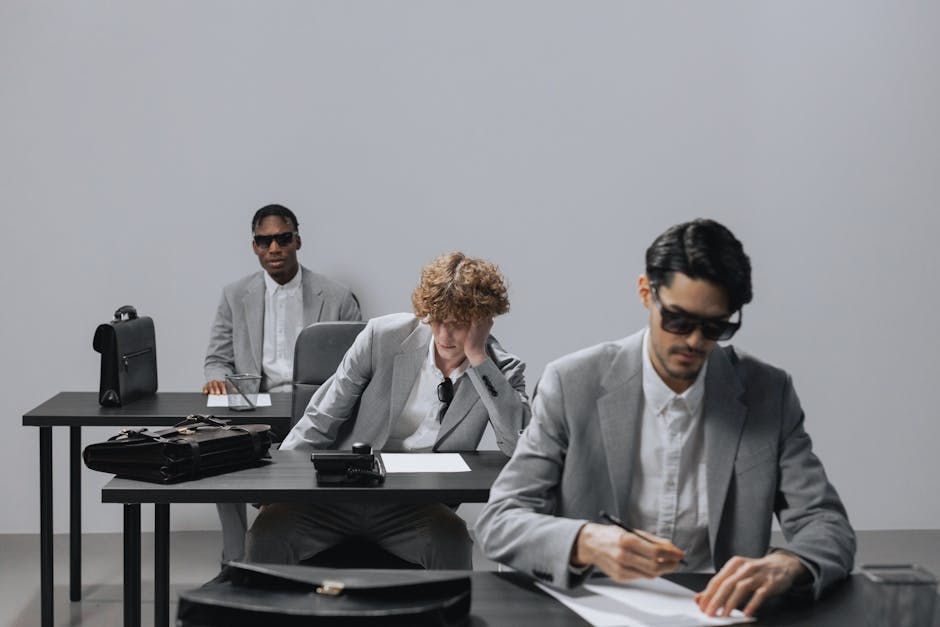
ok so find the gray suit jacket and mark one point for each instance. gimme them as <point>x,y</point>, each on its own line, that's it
<point>577,457</point>
<point>237,337</point>
<point>377,374</point>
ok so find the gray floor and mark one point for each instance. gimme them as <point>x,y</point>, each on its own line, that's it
<point>194,560</point>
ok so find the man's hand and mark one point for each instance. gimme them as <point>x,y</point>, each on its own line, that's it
<point>623,555</point>
<point>214,387</point>
<point>743,577</point>
<point>475,345</point>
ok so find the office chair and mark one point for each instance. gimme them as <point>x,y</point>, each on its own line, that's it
<point>318,352</point>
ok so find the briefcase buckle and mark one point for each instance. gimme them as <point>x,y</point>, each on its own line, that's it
<point>331,588</point>
<point>185,431</point>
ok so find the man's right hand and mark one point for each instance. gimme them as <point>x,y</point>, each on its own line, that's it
<point>214,387</point>
<point>624,555</point>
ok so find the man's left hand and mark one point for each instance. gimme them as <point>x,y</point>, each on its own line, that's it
<point>743,577</point>
<point>475,346</point>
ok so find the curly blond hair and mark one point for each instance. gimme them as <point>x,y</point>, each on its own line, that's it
<point>460,288</point>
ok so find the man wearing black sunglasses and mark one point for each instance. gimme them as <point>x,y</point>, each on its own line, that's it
<point>257,323</point>
<point>692,447</point>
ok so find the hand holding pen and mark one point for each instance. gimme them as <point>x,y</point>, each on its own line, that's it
<point>640,534</point>
<point>623,556</point>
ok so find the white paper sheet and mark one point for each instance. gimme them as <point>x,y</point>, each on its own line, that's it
<point>641,603</point>
<point>424,462</point>
<point>221,400</point>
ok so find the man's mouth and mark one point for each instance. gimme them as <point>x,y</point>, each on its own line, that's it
<point>687,356</point>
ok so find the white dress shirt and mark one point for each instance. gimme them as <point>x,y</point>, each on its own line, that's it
<point>417,427</point>
<point>283,321</point>
<point>669,496</point>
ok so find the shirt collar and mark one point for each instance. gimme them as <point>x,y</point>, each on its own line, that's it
<point>455,374</point>
<point>271,285</point>
<point>658,395</point>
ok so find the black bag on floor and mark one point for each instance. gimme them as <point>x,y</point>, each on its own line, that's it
<point>269,594</point>
<point>197,446</point>
<point>128,358</point>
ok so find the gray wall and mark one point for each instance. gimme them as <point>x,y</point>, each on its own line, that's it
<point>557,139</point>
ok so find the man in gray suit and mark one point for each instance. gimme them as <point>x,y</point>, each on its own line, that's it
<point>693,446</point>
<point>423,382</point>
<point>257,324</point>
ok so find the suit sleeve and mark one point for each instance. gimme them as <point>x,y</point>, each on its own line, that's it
<point>335,401</point>
<point>500,382</point>
<point>517,527</point>
<point>220,355</point>
<point>812,517</point>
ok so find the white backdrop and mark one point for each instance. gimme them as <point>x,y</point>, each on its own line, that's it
<point>555,138</point>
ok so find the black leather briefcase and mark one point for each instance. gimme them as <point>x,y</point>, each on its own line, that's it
<point>269,594</point>
<point>128,358</point>
<point>197,446</point>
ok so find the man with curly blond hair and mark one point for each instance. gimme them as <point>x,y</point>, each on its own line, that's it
<point>423,382</point>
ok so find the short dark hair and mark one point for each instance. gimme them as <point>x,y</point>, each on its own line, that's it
<point>702,249</point>
<point>274,210</point>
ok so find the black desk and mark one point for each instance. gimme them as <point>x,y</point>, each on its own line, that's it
<point>512,599</point>
<point>78,409</point>
<point>289,478</point>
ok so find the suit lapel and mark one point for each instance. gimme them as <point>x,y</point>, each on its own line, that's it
<point>253,302</point>
<point>414,350</point>
<point>312,297</point>
<point>620,413</point>
<point>724,415</point>
<point>464,400</point>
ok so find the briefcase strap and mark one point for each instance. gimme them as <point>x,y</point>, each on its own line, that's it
<point>138,434</point>
<point>257,442</point>
<point>142,434</point>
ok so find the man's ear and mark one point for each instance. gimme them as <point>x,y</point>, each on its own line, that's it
<point>643,290</point>
<point>299,242</point>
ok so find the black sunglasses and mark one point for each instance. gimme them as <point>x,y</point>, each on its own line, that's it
<point>682,323</point>
<point>445,394</point>
<point>282,239</point>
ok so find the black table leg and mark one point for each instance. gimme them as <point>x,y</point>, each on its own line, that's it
<point>45,524</point>
<point>75,513</point>
<point>132,565</point>
<point>161,558</point>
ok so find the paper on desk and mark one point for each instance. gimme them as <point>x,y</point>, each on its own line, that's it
<point>424,462</point>
<point>221,400</point>
<point>640,603</point>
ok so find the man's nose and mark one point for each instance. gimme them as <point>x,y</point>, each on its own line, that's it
<point>273,245</point>
<point>696,339</point>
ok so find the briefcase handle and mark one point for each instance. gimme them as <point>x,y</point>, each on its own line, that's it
<point>129,310</point>
<point>200,418</point>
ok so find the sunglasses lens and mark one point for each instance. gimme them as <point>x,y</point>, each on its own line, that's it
<point>716,330</point>
<point>282,239</point>
<point>675,323</point>
<point>713,330</point>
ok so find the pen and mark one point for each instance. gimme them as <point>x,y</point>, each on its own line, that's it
<point>616,521</point>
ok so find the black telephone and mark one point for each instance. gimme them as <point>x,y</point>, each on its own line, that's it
<point>359,467</point>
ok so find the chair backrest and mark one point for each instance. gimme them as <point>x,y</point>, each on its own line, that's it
<point>318,352</point>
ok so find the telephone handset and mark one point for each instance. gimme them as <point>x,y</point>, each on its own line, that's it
<point>361,466</point>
